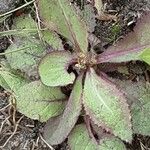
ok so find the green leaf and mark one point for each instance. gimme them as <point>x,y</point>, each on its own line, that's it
<point>11,81</point>
<point>22,26</point>
<point>61,17</point>
<point>53,69</point>
<point>141,115</point>
<point>106,105</point>
<point>24,54</point>
<point>145,56</point>
<point>57,129</point>
<point>138,95</point>
<point>79,139</point>
<point>88,15</point>
<point>111,143</point>
<point>52,39</point>
<point>132,45</point>
<point>40,102</point>
<point>3,83</point>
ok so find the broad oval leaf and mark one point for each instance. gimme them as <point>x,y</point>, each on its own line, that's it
<point>79,139</point>
<point>61,17</point>
<point>39,102</point>
<point>131,46</point>
<point>53,69</point>
<point>57,129</point>
<point>106,105</point>
<point>24,54</point>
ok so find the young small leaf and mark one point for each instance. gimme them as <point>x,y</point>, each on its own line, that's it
<point>57,129</point>
<point>79,139</point>
<point>40,102</point>
<point>24,54</point>
<point>131,46</point>
<point>106,105</point>
<point>53,69</point>
<point>61,17</point>
<point>52,39</point>
<point>145,56</point>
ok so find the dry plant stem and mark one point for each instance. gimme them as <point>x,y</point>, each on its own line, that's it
<point>2,109</point>
<point>14,132</point>
<point>33,145</point>
<point>147,77</point>
<point>7,13</point>
<point>37,141</point>
<point>4,123</point>
<point>38,20</point>
<point>46,143</point>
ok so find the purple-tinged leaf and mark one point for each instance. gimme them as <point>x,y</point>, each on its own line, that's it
<point>124,55</point>
<point>106,105</point>
<point>131,46</point>
<point>57,129</point>
<point>53,69</point>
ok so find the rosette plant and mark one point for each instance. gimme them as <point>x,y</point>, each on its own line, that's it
<point>98,114</point>
<point>93,94</point>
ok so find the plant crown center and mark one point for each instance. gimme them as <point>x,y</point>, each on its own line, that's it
<point>85,60</point>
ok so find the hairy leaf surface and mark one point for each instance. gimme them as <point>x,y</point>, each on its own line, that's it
<point>138,95</point>
<point>131,46</point>
<point>40,102</point>
<point>111,143</point>
<point>23,26</point>
<point>79,139</point>
<point>53,69</point>
<point>52,39</point>
<point>57,129</point>
<point>106,105</point>
<point>61,17</point>
<point>24,54</point>
<point>10,80</point>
